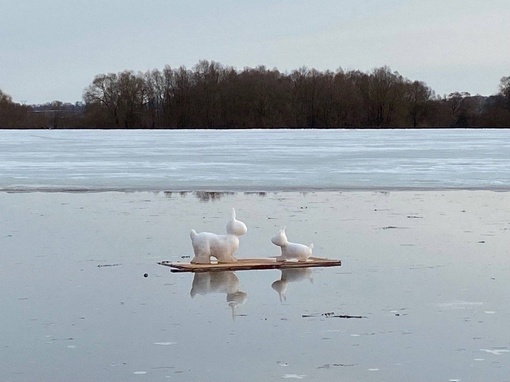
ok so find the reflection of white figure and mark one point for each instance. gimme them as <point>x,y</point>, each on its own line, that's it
<point>222,247</point>
<point>291,251</point>
<point>219,282</point>
<point>291,275</point>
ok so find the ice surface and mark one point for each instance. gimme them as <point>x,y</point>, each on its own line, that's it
<point>254,159</point>
<point>73,288</point>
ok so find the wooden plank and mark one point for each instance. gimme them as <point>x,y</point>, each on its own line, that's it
<point>249,264</point>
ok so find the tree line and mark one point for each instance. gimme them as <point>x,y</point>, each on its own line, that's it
<point>211,95</point>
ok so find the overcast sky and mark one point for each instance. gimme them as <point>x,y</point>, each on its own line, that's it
<point>53,49</point>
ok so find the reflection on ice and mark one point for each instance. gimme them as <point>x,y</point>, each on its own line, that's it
<point>210,196</point>
<point>227,282</point>
<point>206,196</point>
<point>219,282</point>
<point>291,275</point>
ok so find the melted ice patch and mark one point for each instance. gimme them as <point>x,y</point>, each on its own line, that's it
<point>459,305</point>
<point>495,351</point>
<point>293,376</point>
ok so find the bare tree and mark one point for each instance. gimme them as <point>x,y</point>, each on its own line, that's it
<point>104,91</point>
<point>418,96</point>
<point>504,89</point>
<point>122,95</point>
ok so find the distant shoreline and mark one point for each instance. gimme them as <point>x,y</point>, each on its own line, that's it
<point>218,192</point>
<point>261,128</point>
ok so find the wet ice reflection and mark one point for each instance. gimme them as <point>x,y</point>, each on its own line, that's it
<point>224,282</point>
<point>432,301</point>
<point>227,283</point>
<point>289,276</point>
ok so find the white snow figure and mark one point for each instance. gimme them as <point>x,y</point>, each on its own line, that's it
<point>221,247</point>
<point>291,251</point>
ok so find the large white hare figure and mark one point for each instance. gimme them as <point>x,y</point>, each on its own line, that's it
<point>291,251</point>
<point>221,247</point>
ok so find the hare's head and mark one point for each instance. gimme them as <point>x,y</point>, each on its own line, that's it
<point>236,227</point>
<point>280,239</point>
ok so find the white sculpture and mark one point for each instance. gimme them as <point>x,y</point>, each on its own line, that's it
<point>290,275</point>
<point>219,282</point>
<point>221,247</point>
<point>291,251</point>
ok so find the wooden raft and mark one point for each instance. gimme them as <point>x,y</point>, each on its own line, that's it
<point>248,264</point>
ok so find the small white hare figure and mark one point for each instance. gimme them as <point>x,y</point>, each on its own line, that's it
<point>291,251</point>
<point>221,247</point>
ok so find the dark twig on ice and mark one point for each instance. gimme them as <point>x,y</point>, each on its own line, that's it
<point>108,265</point>
<point>348,316</point>
<point>330,314</point>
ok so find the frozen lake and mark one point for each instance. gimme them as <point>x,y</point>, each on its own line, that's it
<point>254,159</point>
<point>413,214</point>
<point>425,272</point>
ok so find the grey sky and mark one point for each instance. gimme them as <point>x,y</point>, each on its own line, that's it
<point>52,49</point>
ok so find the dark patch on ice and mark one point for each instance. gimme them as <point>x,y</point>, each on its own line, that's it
<point>108,265</point>
<point>259,193</point>
<point>330,315</point>
<point>391,227</point>
<point>330,365</point>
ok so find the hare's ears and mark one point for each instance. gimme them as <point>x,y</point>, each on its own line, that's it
<point>233,213</point>
<point>282,229</point>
